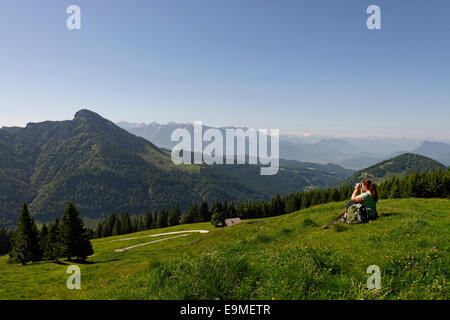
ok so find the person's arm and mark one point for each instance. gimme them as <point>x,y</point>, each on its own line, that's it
<point>355,196</point>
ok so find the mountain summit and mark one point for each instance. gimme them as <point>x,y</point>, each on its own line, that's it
<point>87,114</point>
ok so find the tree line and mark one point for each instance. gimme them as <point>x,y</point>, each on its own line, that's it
<point>435,184</point>
<point>418,185</point>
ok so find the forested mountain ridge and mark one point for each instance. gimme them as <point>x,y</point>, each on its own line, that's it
<point>402,165</point>
<point>102,168</point>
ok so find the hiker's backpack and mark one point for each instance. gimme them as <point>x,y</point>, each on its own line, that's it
<point>357,213</point>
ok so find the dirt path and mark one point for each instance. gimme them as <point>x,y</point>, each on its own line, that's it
<point>162,234</point>
<point>144,244</point>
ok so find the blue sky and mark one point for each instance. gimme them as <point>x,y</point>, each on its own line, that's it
<point>300,66</point>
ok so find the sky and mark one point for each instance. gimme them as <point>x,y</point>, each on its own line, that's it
<point>298,66</point>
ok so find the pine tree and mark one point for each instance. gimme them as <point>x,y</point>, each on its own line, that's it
<point>74,237</point>
<point>25,242</point>
<point>162,219</point>
<point>265,211</point>
<point>174,216</point>
<point>407,188</point>
<point>109,225</point>
<point>134,224</point>
<point>117,228</point>
<point>306,203</point>
<point>315,198</point>
<point>43,240</point>
<point>395,192</point>
<point>225,208</point>
<point>192,215</point>
<point>140,224</point>
<point>231,210</point>
<point>55,249</point>
<point>446,184</point>
<point>125,222</point>
<point>5,240</point>
<point>289,200</point>
<point>241,210</point>
<point>205,215</point>
<point>148,220</point>
<point>435,183</point>
<point>276,206</point>
<point>218,215</point>
<point>99,230</point>
<point>155,219</point>
<point>384,189</point>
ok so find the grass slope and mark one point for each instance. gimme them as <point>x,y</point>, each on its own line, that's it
<point>285,257</point>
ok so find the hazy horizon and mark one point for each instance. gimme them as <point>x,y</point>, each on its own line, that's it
<point>293,134</point>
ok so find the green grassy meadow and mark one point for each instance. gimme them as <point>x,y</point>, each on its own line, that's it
<point>284,257</point>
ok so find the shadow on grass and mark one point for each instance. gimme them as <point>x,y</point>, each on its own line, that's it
<point>68,262</point>
<point>389,214</point>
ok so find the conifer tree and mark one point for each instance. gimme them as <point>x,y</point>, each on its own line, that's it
<point>191,216</point>
<point>117,228</point>
<point>55,249</point>
<point>240,210</point>
<point>134,224</point>
<point>276,206</point>
<point>43,240</point>
<point>194,213</point>
<point>99,230</point>
<point>25,242</point>
<point>5,240</point>
<point>395,192</point>
<point>407,188</point>
<point>174,216</point>
<point>225,209</point>
<point>74,237</point>
<point>155,219</point>
<point>218,214</point>
<point>231,210</point>
<point>109,225</point>
<point>204,212</point>
<point>265,209</point>
<point>140,224</point>
<point>125,222</point>
<point>162,219</point>
<point>289,200</point>
<point>148,220</point>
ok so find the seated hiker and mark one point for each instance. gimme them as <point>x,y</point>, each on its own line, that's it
<point>367,198</point>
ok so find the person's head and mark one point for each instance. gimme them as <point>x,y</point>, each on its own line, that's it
<point>368,185</point>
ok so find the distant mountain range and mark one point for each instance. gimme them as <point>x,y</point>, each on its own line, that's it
<point>103,169</point>
<point>351,153</point>
<point>435,150</point>
<point>399,166</point>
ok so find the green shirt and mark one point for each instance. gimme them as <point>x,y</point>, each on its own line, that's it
<point>369,203</point>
